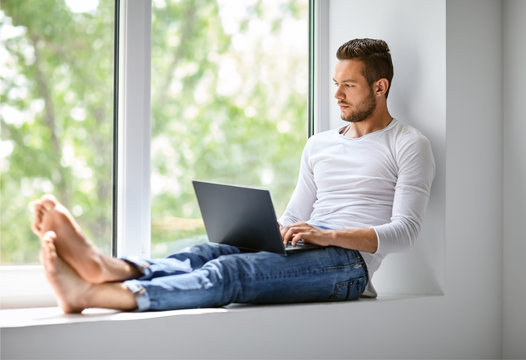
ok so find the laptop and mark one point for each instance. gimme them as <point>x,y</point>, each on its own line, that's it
<point>241,216</point>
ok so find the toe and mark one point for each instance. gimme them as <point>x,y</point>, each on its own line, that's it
<point>36,229</point>
<point>48,201</point>
<point>48,239</point>
<point>48,251</point>
<point>35,207</point>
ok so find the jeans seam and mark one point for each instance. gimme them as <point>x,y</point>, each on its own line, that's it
<point>283,275</point>
<point>340,267</point>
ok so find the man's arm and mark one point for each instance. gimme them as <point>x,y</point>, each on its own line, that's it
<point>362,239</point>
<point>415,176</point>
<point>301,203</point>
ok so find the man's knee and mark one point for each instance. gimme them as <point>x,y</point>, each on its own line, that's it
<point>213,250</point>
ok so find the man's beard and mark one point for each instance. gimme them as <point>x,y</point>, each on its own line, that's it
<point>363,111</point>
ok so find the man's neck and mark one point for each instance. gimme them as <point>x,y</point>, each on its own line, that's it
<point>376,122</point>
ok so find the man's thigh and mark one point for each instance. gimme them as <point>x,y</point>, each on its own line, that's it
<point>316,275</point>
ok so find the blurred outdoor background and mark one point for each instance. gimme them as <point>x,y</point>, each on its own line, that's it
<point>229,104</point>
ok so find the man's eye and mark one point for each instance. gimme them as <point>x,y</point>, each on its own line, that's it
<point>346,85</point>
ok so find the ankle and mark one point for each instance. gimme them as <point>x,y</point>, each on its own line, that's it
<point>93,270</point>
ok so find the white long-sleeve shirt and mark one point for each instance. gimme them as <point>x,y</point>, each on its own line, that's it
<point>380,180</point>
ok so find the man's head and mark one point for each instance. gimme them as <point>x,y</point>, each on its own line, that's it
<point>363,76</point>
<point>375,56</point>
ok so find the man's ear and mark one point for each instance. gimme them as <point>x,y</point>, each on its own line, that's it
<point>381,87</point>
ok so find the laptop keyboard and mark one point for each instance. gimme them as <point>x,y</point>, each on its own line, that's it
<point>300,245</point>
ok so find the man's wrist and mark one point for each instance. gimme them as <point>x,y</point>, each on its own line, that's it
<point>333,237</point>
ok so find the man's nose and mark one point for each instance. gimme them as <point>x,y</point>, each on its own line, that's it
<point>338,94</point>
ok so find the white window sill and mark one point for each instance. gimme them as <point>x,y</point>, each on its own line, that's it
<point>234,332</point>
<point>39,316</point>
<point>24,286</point>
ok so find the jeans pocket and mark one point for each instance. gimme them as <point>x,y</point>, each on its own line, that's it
<point>349,289</point>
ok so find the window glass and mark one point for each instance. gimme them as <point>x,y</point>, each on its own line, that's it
<point>229,104</point>
<point>56,117</point>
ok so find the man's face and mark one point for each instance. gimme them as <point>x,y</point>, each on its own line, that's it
<point>355,97</point>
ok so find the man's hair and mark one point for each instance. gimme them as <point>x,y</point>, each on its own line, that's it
<point>375,56</point>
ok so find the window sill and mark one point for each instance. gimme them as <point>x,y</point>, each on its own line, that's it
<point>237,331</point>
<point>40,316</point>
<point>24,286</point>
<point>53,315</point>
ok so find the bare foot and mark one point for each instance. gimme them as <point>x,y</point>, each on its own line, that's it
<point>73,247</point>
<point>75,294</point>
<point>69,287</point>
<point>70,242</point>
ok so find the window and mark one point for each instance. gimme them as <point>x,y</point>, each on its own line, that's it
<point>229,104</point>
<point>56,117</point>
<point>242,64</point>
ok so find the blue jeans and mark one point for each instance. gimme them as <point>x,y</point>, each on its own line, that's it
<point>212,275</point>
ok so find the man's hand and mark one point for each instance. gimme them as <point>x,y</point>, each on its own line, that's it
<point>362,239</point>
<point>307,233</point>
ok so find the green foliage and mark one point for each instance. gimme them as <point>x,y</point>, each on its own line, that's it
<point>250,134</point>
<point>56,115</point>
<point>228,105</point>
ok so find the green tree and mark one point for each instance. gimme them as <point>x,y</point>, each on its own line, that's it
<point>229,103</point>
<point>56,118</point>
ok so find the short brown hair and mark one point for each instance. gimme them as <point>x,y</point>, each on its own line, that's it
<point>375,56</point>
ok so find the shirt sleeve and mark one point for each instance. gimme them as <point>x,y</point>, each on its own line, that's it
<point>416,170</point>
<point>301,203</point>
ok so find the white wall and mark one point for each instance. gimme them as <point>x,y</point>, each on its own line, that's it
<point>514,182</point>
<point>474,171</point>
<point>469,319</point>
<point>416,33</point>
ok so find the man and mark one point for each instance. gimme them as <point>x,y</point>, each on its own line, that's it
<point>361,193</point>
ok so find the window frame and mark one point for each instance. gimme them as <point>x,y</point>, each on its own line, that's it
<point>132,198</point>
<point>319,68</point>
